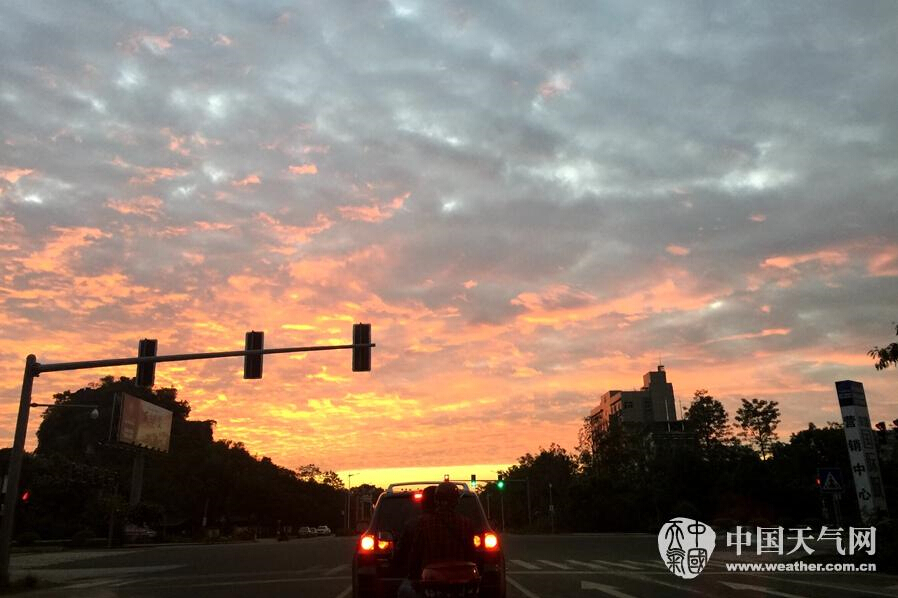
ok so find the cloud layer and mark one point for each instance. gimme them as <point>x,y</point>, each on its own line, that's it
<point>531,206</point>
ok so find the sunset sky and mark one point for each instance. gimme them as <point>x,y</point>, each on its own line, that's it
<point>531,203</point>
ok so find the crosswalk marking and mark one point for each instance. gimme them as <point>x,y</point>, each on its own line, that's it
<point>554,564</point>
<point>588,565</point>
<point>616,565</point>
<point>641,564</point>
<point>524,564</point>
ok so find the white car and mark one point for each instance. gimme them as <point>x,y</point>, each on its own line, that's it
<point>323,530</point>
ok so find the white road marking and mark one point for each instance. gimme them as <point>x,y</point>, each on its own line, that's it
<point>521,588</point>
<point>588,565</point>
<point>641,564</point>
<point>616,565</point>
<point>610,590</point>
<point>853,589</point>
<point>335,570</point>
<point>96,582</point>
<point>345,592</point>
<point>760,589</point>
<point>554,564</point>
<point>524,564</point>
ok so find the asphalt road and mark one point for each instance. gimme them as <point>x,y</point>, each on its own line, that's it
<point>600,566</point>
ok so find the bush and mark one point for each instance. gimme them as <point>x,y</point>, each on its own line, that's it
<point>80,538</point>
<point>28,539</point>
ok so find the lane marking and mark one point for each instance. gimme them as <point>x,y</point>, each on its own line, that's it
<point>610,590</point>
<point>524,564</point>
<point>336,569</point>
<point>668,584</point>
<point>561,566</point>
<point>641,564</point>
<point>520,588</point>
<point>588,565</point>
<point>851,589</point>
<point>615,565</point>
<point>344,593</point>
<point>218,584</point>
<point>761,589</point>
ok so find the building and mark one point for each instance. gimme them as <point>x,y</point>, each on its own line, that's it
<point>653,406</point>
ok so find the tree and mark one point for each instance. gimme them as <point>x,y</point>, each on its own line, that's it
<point>759,420</point>
<point>886,355</point>
<point>707,419</point>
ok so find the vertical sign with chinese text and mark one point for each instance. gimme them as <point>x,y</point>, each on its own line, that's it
<point>861,448</point>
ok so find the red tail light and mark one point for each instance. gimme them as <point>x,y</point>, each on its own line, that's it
<point>418,496</point>
<point>366,544</point>
<point>488,541</point>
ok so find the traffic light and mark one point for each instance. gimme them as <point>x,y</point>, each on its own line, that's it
<point>26,496</point>
<point>500,484</point>
<point>252,364</point>
<point>473,480</point>
<point>146,372</point>
<point>361,356</point>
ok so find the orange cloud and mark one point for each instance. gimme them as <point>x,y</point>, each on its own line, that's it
<point>145,205</point>
<point>288,235</point>
<point>677,250</point>
<point>56,252</point>
<point>884,263</point>
<point>375,212</point>
<point>304,169</point>
<point>749,335</point>
<point>12,175</point>
<point>827,257</point>
<point>252,179</point>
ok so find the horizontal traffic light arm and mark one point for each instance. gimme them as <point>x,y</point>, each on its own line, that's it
<point>40,368</point>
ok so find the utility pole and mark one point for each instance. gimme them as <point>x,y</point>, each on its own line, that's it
<point>348,499</point>
<point>551,509</point>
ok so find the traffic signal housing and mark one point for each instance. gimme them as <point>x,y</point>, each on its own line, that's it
<point>473,480</point>
<point>361,356</point>
<point>500,484</point>
<point>146,372</point>
<point>252,364</point>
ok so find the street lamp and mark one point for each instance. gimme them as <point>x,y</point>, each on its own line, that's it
<point>94,413</point>
<point>348,498</point>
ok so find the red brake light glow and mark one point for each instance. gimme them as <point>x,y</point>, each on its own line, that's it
<point>418,495</point>
<point>490,541</point>
<point>367,543</point>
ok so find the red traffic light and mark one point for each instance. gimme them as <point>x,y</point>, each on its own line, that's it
<point>26,495</point>
<point>146,372</point>
<point>361,356</point>
<point>252,364</point>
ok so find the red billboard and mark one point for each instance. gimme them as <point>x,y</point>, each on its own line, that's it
<point>144,424</point>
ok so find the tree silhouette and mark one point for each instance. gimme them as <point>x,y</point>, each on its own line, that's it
<point>759,420</point>
<point>886,356</point>
<point>707,419</point>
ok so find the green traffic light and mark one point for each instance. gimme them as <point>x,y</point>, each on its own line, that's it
<point>500,484</point>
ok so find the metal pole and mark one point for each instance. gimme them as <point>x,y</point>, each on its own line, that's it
<point>502,508</point>
<point>551,509</point>
<point>529,510</point>
<point>15,468</point>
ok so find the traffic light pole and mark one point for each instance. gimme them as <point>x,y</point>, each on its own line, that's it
<point>15,468</point>
<point>33,369</point>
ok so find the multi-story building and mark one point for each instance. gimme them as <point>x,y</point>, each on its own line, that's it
<point>652,407</point>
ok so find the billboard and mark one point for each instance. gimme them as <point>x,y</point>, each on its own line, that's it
<point>144,424</point>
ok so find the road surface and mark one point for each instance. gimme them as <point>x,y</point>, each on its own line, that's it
<point>585,566</point>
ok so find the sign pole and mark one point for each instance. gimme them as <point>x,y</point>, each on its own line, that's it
<point>15,469</point>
